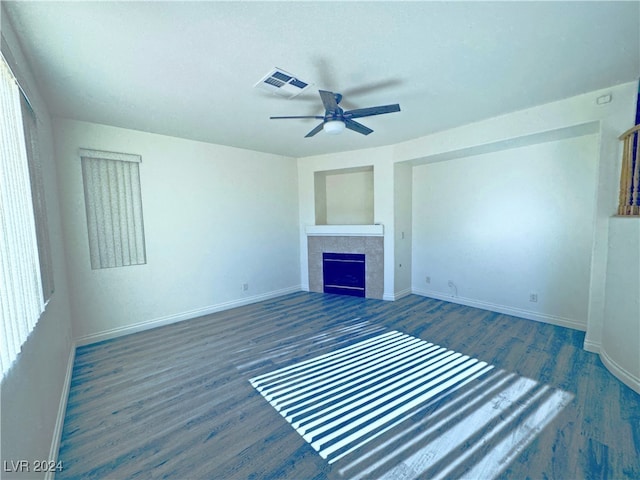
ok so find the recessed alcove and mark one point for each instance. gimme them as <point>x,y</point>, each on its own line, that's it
<point>344,197</point>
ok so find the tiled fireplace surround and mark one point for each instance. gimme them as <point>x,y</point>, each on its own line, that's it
<point>372,246</point>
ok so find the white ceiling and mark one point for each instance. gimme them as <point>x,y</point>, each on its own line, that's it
<point>188,69</point>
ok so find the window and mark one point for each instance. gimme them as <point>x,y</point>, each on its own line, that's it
<point>113,201</point>
<point>37,195</point>
<point>21,297</point>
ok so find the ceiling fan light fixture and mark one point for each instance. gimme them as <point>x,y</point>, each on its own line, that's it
<point>336,120</point>
<point>334,127</point>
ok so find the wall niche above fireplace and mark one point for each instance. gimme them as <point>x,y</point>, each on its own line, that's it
<point>344,197</point>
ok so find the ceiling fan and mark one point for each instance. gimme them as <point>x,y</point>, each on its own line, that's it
<point>335,119</point>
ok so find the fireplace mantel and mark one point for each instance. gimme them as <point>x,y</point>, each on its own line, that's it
<point>344,230</point>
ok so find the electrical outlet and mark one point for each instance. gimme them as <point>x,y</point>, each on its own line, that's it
<point>533,297</point>
<point>427,279</point>
<point>245,287</point>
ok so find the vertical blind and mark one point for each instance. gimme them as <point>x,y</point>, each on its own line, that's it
<point>21,298</point>
<point>37,194</point>
<point>113,202</point>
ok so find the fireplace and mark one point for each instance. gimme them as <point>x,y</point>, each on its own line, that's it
<point>344,273</point>
<point>364,240</point>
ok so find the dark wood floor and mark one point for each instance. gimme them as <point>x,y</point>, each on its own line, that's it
<point>176,402</point>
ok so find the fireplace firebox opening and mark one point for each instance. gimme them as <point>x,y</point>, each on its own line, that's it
<point>344,273</point>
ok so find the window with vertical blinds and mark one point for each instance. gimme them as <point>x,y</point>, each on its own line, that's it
<point>21,295</point>
<point>113,202</point>
<point>37,196</point>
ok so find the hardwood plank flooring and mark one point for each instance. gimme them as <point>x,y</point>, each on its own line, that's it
<point>176,402</point>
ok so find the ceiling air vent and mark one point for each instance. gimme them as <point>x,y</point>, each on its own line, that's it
<point>282,83</point>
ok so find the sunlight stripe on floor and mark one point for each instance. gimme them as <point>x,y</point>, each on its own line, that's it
<point>341,400</point>
<point>408,437</point>
<point>514,442</point>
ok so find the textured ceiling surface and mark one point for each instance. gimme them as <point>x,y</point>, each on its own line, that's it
<point>188,69</point>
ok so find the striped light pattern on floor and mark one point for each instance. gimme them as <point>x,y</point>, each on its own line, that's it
<point>342,400</point>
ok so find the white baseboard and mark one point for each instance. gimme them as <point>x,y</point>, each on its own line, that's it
<point>591,346</point>
<point>403,293</point>
<point>62,410</point>
<point>516,312</point>
<point>397,295</point>
<point>179,317</point>
<point>620,372</point>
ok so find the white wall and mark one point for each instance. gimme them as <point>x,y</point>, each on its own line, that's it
<point>525,127</point>
<point>33,393</point>
<point>507,224</point>
<point>403,229</point>
<point>620,349</point>
<point>215,218</point>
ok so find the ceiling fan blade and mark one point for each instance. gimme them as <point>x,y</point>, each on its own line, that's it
<point>315,130</point>
<point>370,111</point>
<point>325,72</point>
<point>298,116</point>
<point>357,127</point>
<point>329,100</point>
<point>371,87</point>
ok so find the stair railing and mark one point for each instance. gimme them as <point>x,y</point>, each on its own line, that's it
<point>629,202</point>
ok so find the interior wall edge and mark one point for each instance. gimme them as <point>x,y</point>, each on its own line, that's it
<point>507,310</point>
<point>182,316</point>
<point>520,140</point>
<point>597,280</point>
